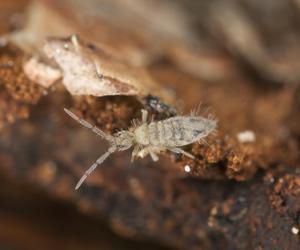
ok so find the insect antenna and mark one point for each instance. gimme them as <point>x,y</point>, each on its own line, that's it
<point>90,126</point>
<point>94,166</point>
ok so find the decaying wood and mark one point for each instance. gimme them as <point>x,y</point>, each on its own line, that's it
<point>242,189</point>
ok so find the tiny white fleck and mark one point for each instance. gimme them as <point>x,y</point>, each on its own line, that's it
<point>246,136</point>
<point>187,168</point>
<point>295,230</point>
<point>66,46</point>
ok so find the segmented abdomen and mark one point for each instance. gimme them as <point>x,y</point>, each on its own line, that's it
<point>179,131</point>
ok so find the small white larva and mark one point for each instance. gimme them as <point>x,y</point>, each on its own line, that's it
<point>152,138</point>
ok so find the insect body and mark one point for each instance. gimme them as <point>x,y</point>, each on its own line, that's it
<point>152,138</point>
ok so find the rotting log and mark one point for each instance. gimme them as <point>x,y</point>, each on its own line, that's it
<point>238,195</point>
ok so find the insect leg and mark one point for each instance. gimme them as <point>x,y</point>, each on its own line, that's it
<point>134,152</point>
<point>148,150</point>
<point>90,126</point>
<point>144,115</point>
<point>180,151</point>
<point>75,42</point>
<point>94,166</point>
<point>153,155</point>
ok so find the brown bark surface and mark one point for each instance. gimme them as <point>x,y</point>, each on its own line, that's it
<point>173,55</point>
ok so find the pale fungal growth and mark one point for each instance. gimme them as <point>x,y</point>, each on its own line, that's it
<point>152,138</point>
<point>89,70</point>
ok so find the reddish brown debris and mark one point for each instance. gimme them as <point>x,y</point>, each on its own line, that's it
<point>13,77</point>
<point>17,91</point>
<point>10,110</point>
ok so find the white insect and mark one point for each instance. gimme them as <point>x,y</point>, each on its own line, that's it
<point>152,138</point>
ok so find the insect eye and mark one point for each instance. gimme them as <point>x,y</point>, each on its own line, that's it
<point>118,134</point>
